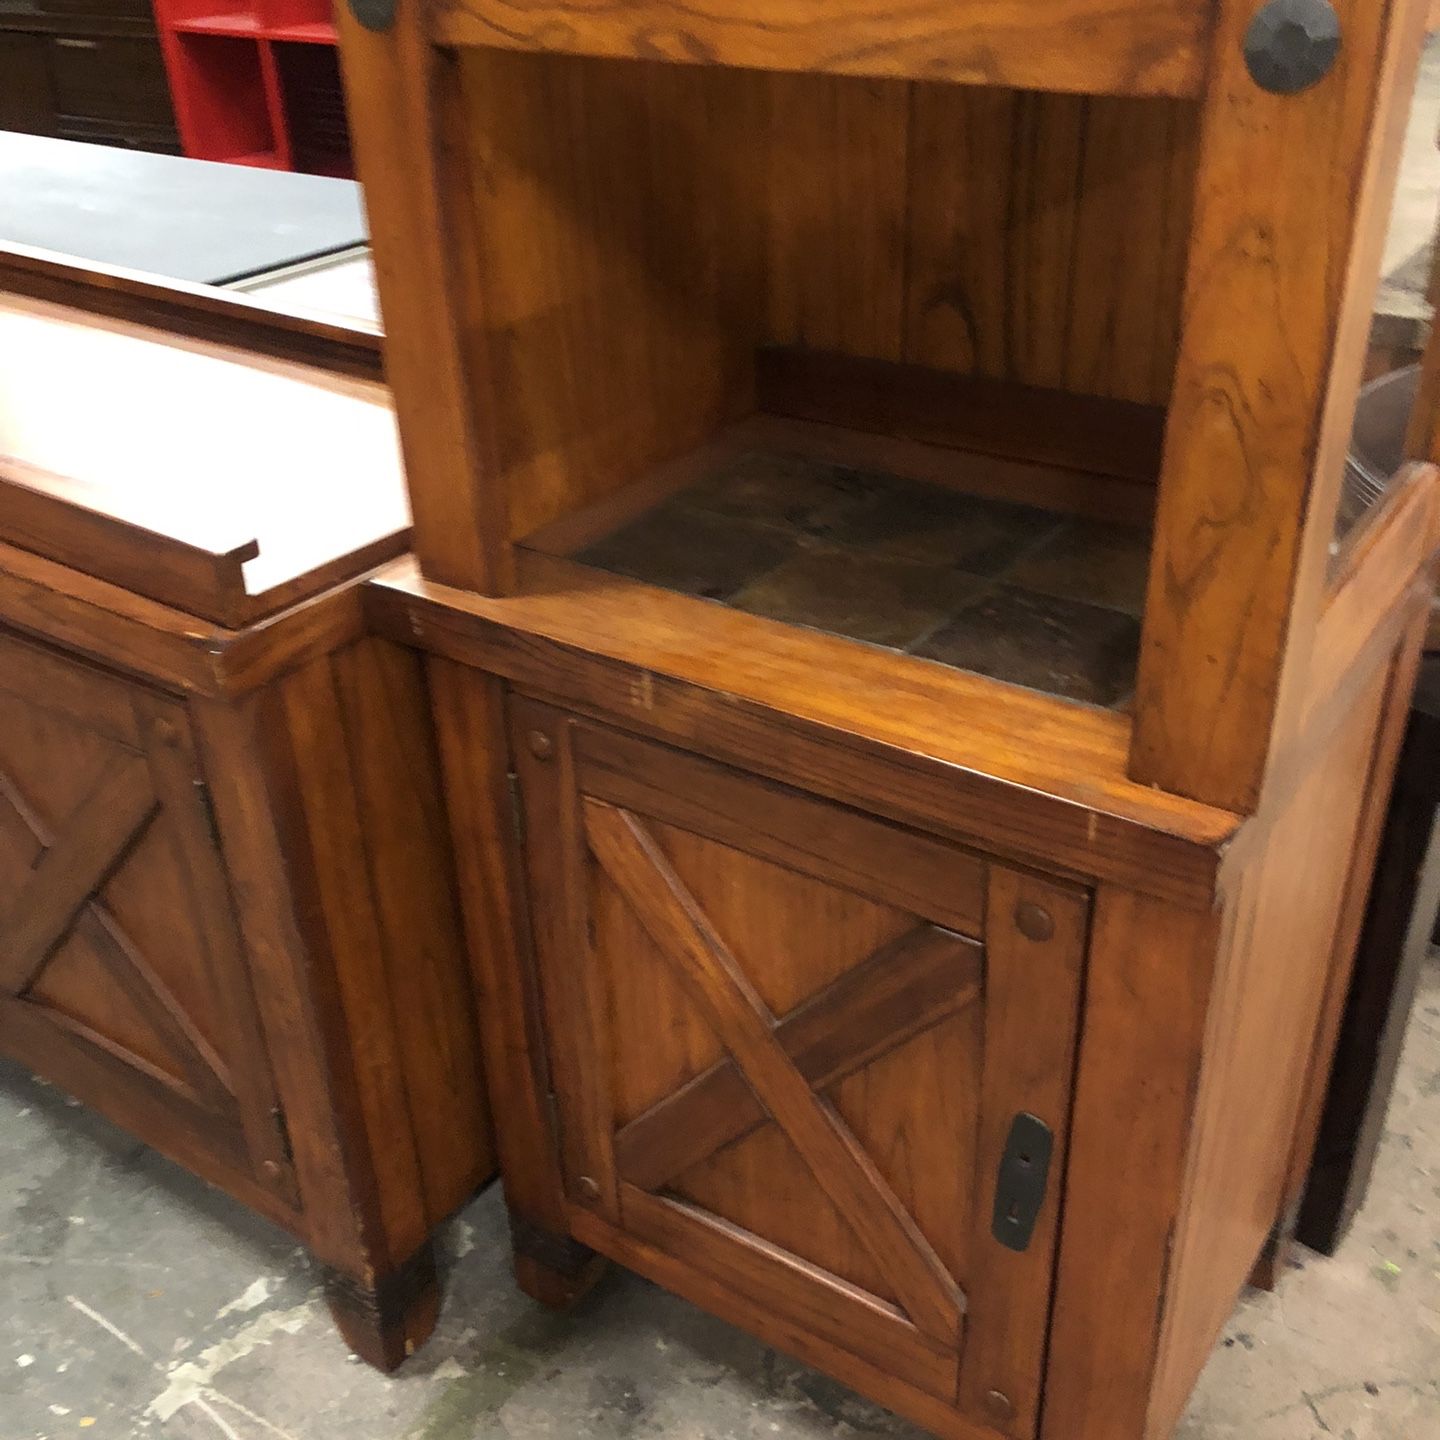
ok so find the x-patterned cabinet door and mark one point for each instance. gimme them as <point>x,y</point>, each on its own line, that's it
<point>121,973</point>
<point>794,1048</point>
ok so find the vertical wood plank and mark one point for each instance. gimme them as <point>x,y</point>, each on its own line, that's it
<point>325,849</point>
<point>1380,776</point>
<point>1133,213</point>
<point>957,236</point>
<point>1146,1003</point>
<point>475,756</point>
<point>296,1000</point>
<point>1044,240</point>
<point>408,154</point>
<point>395,773</point>
<point>1279,283</point>
<point>572,989</point>
<point>1032,1000</point>
<point>835,210</point>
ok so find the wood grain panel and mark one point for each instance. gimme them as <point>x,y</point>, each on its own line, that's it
<point>1270,987</point>
<point>1147,997</point>
<point>611,244</point>
<point>835,177</point>
<point>1263,396</point>
<point>741,1018</point>
<point>395,771</point>
<point>1045,238</point>
<point>1032,1003</point>
<point>1141,47</point>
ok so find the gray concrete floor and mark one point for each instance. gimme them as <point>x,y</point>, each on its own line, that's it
<point>134,1301</point>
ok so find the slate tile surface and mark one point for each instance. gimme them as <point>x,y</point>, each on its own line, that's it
<point>1023,595</point>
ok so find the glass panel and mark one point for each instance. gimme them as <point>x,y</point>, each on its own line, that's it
<point>1403,313</point>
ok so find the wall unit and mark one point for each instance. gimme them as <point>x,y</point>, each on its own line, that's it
<point>257,82</point>
<point>85,71</point>
<point>915,730</point>
<point>227,912</point>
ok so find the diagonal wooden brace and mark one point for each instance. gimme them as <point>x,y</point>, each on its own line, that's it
<point>670,913</point>
<point>902,990</point>
<point>73,869</point>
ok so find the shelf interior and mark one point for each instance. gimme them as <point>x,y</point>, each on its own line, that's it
<point>889,544</point>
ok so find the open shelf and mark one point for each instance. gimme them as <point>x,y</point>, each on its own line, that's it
<point>280,71</point>
<point>1003,568</point>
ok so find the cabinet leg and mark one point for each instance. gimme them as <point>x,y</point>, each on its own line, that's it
<point>551,1268</point>
<point>1274,1259</point>
<point>387,1321</point>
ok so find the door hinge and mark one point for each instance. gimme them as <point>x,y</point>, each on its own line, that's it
<point>282,1129</point>
<point>207,808</point>
<point>1020,1185</point>
<point>517,808</point>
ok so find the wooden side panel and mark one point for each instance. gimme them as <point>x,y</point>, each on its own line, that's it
<point>617,245</point>
<point>1280,280</point>
<point>1147,993</point>
<point>400,805</point>
<point>369,856</point>
<point>401,98</point>
<point>1270,988</point>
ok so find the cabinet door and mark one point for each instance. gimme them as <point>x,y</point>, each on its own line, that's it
<point>121,975</point>
<point>790,1044</point>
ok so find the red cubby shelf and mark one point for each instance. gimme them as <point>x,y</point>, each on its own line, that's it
<point>257,82</point>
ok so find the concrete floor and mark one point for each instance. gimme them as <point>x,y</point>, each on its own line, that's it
<point>136,1302</point>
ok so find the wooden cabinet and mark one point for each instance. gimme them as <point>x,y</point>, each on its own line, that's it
<point>876,482</point>
<point>228,916</point>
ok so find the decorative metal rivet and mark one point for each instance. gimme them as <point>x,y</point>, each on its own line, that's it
<point>541,745</point>
<point>998,1403</point>
<point>588,1187</point>
<point>374,14</point>
<point>1292,44</point>
<point>1033,921</point>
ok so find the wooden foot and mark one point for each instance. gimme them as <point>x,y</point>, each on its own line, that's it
<point>1273,1262</point>
<point>388,1321</point>
<point>550,1268</point>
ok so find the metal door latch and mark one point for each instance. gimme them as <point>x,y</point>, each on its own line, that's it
<point>1020,1186</point>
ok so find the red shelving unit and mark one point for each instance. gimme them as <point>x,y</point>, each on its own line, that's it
<point>256,82</point>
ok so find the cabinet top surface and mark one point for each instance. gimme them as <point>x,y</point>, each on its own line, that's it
<point>279,469</point>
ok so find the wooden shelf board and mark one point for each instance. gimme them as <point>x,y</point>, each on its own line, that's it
<point>318,32</point>
<point>234,23</point>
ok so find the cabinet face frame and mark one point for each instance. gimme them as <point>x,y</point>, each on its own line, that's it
<point>602,812</point>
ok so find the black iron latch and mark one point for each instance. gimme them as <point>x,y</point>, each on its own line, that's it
<point>1020,1186</point>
